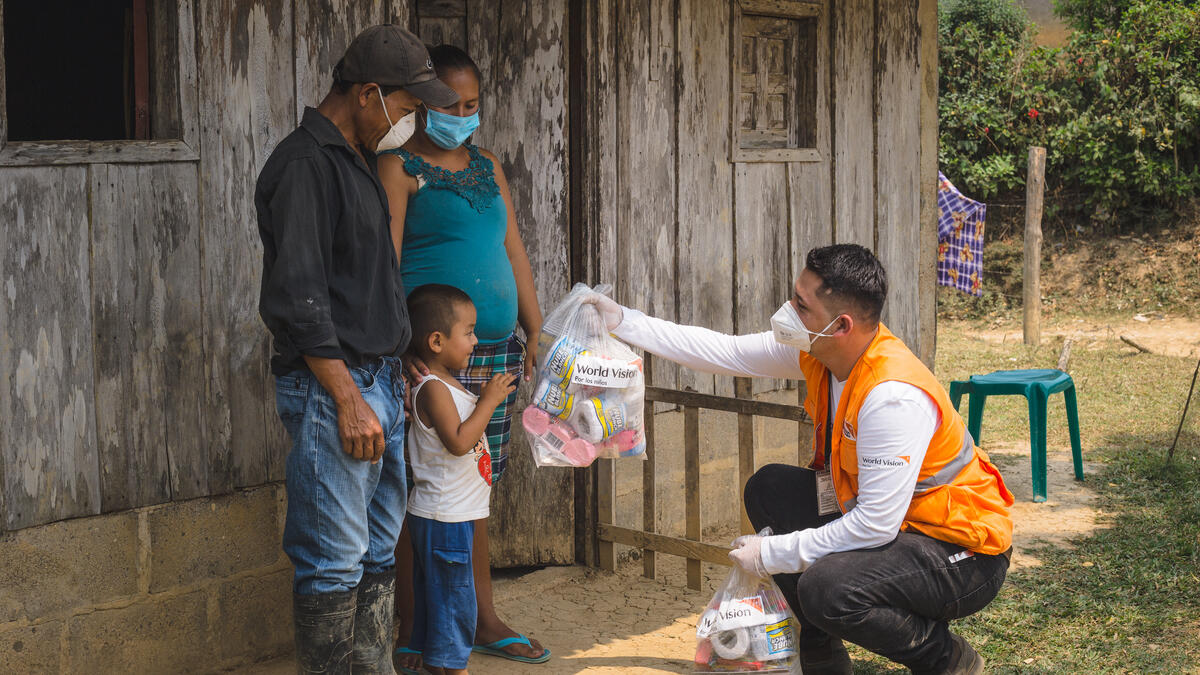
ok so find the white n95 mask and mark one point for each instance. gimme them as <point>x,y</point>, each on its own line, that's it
<point>400,132</point>
<point>790,330</point>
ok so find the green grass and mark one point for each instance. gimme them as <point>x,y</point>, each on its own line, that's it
<point>1125,599</point>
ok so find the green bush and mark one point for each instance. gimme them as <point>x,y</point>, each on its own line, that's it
<point>1118,108</point>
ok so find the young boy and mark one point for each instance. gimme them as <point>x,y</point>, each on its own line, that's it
<point>452,473</point>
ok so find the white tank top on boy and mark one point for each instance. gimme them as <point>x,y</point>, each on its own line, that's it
<point>447,488</point>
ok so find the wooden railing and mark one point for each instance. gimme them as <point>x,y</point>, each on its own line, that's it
<point>691,545</point>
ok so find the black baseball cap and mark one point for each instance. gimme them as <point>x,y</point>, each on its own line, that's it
<point>391,56</point>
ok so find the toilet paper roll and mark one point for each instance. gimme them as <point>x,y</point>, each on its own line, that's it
<point>595,419</point>
<point>560,360</point>
<point>732,645</point>
<point>553,399</point>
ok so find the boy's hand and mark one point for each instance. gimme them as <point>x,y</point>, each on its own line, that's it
<point>497,389</point>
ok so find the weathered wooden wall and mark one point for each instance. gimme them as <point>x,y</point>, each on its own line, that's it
<point>521,50</point>
<point>687,233</point>
<point>136,362</point>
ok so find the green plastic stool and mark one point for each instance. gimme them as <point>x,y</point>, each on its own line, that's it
<point>1036,386</point>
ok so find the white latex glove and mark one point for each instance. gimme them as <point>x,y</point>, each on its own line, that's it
<point>747,554</point>
<point>610,311</point>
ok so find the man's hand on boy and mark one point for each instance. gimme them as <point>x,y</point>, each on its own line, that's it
<point>497,389</point>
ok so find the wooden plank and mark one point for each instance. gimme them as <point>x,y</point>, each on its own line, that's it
<point>606,492</point>
<point>48,463</point>
<point>685,548</point>
<point>778,155</point>
<point>741,406</point>
<point>810,185</point>
<point>442,8</point>
<point>43,153</point>
<point>149,360</point>
<point>781,8</point>
<point>898,142</point>
<point>1031,287</point>
<point>323,31</point>
<point>245,114</point>
<point>705,178</point>
<point>852,36</point>
<point>745,449</point>
<point>521,51</point>
<point>691,488</point>
<point>927,274</point>
<point>762,273</point>
<point>188,77</point>
<point>645,226</point>
<point>443,30</point>
<point>649,492</point>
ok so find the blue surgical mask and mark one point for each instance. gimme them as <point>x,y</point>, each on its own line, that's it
<point>449,131</point>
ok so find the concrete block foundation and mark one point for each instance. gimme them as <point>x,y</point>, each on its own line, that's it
<point>192,586</point>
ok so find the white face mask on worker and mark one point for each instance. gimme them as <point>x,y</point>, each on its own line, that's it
<point>790,330</point>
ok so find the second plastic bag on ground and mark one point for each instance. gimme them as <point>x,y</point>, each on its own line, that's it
<point>589,391</point>
<point>747,628</point>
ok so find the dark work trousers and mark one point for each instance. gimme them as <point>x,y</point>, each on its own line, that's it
<point>894,599</point>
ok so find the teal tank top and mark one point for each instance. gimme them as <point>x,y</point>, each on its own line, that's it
<point>454,234</point>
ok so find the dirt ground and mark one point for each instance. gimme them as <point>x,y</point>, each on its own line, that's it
<point>1160,333</point>
<point>608,623</point>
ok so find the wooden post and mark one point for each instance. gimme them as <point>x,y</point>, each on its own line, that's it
<point>691,486</point>
<point>743,388</point>
<point>649,495</point>
<point>1035,183</point>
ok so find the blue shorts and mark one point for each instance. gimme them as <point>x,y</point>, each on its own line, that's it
<point>443,591</point>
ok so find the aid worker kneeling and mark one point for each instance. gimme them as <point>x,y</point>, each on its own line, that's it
<point>900,524</point>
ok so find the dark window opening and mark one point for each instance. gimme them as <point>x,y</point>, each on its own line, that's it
<point>97,71</point>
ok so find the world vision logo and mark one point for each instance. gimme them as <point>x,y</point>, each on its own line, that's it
<point>848,432</point>
<point>889,462</point>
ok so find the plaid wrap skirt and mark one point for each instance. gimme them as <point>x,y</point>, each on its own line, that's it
<point>487,361</point>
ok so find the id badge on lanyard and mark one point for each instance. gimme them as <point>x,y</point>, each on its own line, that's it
<point>826,496</point>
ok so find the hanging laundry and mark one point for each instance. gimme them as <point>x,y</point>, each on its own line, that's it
<point>960,239</point>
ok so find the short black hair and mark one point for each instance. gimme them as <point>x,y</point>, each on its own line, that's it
<point>852,275</point>
<point>341,85</point>
<point>433,308</point>
<point>446,58</point>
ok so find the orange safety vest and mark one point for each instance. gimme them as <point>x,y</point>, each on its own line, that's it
<point>960,497</point>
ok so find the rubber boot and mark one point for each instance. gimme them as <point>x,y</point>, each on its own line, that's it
<point>827,656</point>
<point>324,632</point>
<point>373,624</point>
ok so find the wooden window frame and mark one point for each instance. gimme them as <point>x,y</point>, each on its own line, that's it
<point>785,9</point>
<point>183,149</point>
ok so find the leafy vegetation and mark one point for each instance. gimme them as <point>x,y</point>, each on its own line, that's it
<point>1117,108</point>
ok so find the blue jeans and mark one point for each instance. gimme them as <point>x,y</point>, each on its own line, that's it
<point>344,514</point>
<point>443,591</point>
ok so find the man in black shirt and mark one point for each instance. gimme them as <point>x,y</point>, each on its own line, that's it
<point>333,301</point>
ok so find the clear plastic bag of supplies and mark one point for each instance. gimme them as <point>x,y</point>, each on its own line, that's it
<point>589,394</point>
<point>747,628</point>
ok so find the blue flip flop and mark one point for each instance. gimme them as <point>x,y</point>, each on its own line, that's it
<point>402,670</point>
<point>497,649</point>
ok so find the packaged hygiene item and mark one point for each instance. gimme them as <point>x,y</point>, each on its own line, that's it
<point>747,628</point>
<point>590,388</point>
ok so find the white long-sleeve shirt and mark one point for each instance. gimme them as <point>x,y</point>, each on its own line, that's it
<point>895,424</point>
